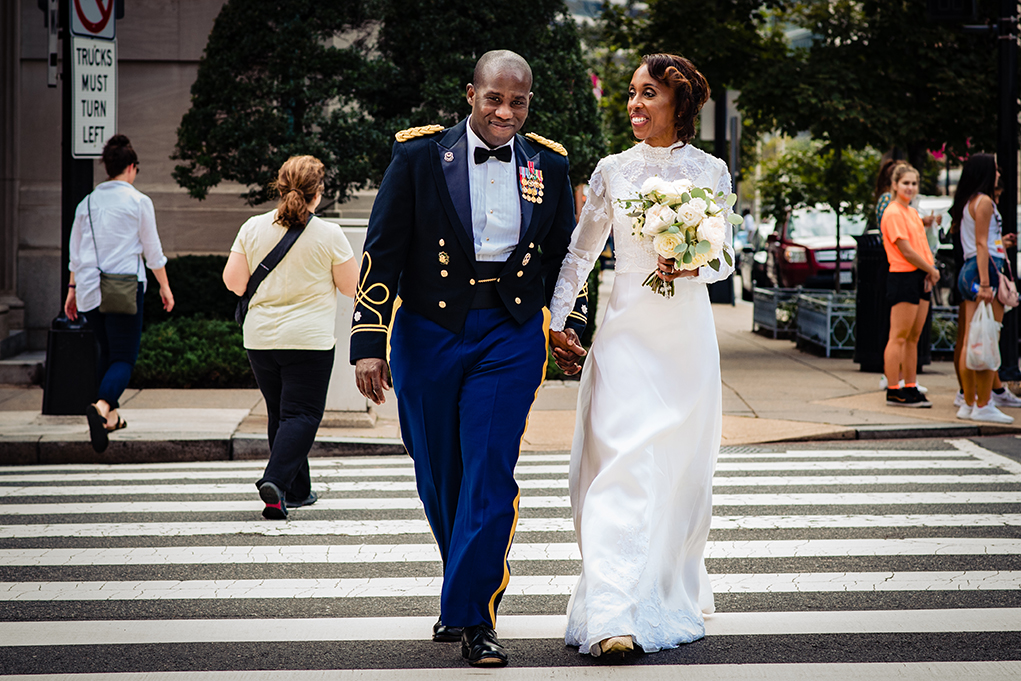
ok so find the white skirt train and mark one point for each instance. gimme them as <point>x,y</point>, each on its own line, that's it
<point>645,445</point>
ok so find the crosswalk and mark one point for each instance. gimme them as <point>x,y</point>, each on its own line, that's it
<point>830,563</point>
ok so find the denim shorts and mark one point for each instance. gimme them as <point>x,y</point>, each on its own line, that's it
<point>968,280</point>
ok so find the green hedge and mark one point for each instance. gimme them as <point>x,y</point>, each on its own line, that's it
<point>197,283</point>
<point>192,353</point>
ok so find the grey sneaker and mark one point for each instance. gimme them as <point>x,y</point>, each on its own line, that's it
<point>1006,399</point>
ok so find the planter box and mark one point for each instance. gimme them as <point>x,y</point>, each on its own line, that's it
<point>774,310</point>
<point>943,335</point>
<point>826,319</point>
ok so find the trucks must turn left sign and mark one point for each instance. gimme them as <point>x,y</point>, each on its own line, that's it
<point>93,94</point>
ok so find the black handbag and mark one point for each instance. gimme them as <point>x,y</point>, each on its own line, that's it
<point>118,293</point>
<point>264,268</point>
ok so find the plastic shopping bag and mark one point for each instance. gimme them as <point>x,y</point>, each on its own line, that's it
<point>983,351</point>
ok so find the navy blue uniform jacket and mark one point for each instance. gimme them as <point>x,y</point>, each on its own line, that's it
<point>420,244</point>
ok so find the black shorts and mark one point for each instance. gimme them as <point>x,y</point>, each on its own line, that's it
<point>906,287</point>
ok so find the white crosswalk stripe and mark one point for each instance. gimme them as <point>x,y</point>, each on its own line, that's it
<point>107,540</point>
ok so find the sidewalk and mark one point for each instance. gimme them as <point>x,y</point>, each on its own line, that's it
<point>772,392</point>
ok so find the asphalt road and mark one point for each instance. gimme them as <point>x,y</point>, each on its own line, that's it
<point>875,560</point>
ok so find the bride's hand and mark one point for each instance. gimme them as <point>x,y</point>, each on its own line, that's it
<point>666,271</point>
<point>566,350</point>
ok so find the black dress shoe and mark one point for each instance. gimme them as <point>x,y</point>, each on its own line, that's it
<point>312,498</point>
<point>480,647</point>
<point>444,634</point>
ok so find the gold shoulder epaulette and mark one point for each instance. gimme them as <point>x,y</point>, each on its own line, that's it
<point>412,133</point>
<point>555,146</point>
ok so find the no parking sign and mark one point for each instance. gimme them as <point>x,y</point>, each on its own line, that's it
<point>93,18</point>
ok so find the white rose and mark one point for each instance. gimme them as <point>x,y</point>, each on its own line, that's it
<point>658,218</point>
<point>689,214</point>
<point>654,184</point>
<point>665,243</point>
<point>696,262</point>
<point>713,230</point>
<point>673,190</point>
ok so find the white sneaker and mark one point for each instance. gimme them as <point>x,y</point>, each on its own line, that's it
<point>959,400</point>
<point>990,414</point>
<point>921,388</point>
<point>883,383</point>
<point>1006,399</point>
<point>964,412</point>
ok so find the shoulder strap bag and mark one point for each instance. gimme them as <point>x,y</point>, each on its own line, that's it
<point>118,292</point>
<point>264,268</point>
<point>1006,291</point>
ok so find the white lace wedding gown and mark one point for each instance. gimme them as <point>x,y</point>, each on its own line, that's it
<point>649,421</point>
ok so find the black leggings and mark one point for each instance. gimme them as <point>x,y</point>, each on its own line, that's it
<point>294,385</point>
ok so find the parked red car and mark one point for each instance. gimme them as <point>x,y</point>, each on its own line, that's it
<point>803,250</point>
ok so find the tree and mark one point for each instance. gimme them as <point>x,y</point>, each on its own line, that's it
<point>813,173</point>
<point>879,74</point>
<point>338,79</point>
<point>271,84</point>
<point>425,65</point>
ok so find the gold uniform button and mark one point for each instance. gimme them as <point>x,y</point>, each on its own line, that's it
<point>529,245</point>
<point>442,242</point>
<point>517,301</point>
<point>443,273</point>
<point>520,273</point>
<point>442,304</point>
<point>471,281</point>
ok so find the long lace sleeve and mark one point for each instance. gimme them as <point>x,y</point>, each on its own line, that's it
<point>706,274</point>
<point>587,242</point>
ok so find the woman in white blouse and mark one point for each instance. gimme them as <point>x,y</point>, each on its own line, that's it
<point>114,229</point>
<point>650,402</point>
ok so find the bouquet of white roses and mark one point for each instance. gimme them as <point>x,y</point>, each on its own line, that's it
<point>683,222</point>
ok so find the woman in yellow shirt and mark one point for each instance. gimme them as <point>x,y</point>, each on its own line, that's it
<point>289,328</point>
<point>908,287</point>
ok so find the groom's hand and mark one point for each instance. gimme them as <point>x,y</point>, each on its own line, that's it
<point>566,350</point>
<point>373,377</point>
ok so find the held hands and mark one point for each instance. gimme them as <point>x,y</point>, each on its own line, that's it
<point>373,377</point>
<point>566,350</point>
<point>1009,240</point>
<point>666,271</point>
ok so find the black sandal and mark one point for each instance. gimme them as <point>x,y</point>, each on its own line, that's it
<point>121,423</point>
<point>97,429</point>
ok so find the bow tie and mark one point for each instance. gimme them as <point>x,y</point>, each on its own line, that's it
<point>501,154</point>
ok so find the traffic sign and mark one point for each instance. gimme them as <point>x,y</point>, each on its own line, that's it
<point>93,95</point>
<point>93,19</point>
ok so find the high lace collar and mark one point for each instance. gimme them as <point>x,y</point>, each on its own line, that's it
<point>658,154</point>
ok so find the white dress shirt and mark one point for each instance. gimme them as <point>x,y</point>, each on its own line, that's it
<point>496,204</point>
<point>123,228</point>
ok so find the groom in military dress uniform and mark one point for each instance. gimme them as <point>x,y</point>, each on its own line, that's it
<point>466,239</point>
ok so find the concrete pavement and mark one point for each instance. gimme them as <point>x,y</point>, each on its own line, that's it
<point>772,392</point>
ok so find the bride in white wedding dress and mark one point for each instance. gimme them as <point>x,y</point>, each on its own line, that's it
<point>650,402</point>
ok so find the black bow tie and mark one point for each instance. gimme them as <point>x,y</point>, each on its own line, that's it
<point>501,154</point>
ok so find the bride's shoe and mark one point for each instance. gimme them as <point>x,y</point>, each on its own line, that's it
<point>616,644</point>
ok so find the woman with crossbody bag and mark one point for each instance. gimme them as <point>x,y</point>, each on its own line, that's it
<point>114,229</point>
<point>299,262</point>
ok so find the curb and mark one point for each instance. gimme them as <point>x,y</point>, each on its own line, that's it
<point>45,450</point>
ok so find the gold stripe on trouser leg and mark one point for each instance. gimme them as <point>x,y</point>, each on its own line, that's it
<point>517,499</point>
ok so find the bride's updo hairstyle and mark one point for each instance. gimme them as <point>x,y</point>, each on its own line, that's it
<point>691,89</point>
<point>299,180</point>
<point>118,155</point>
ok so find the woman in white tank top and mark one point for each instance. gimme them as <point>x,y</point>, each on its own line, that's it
<point>975,215</point>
